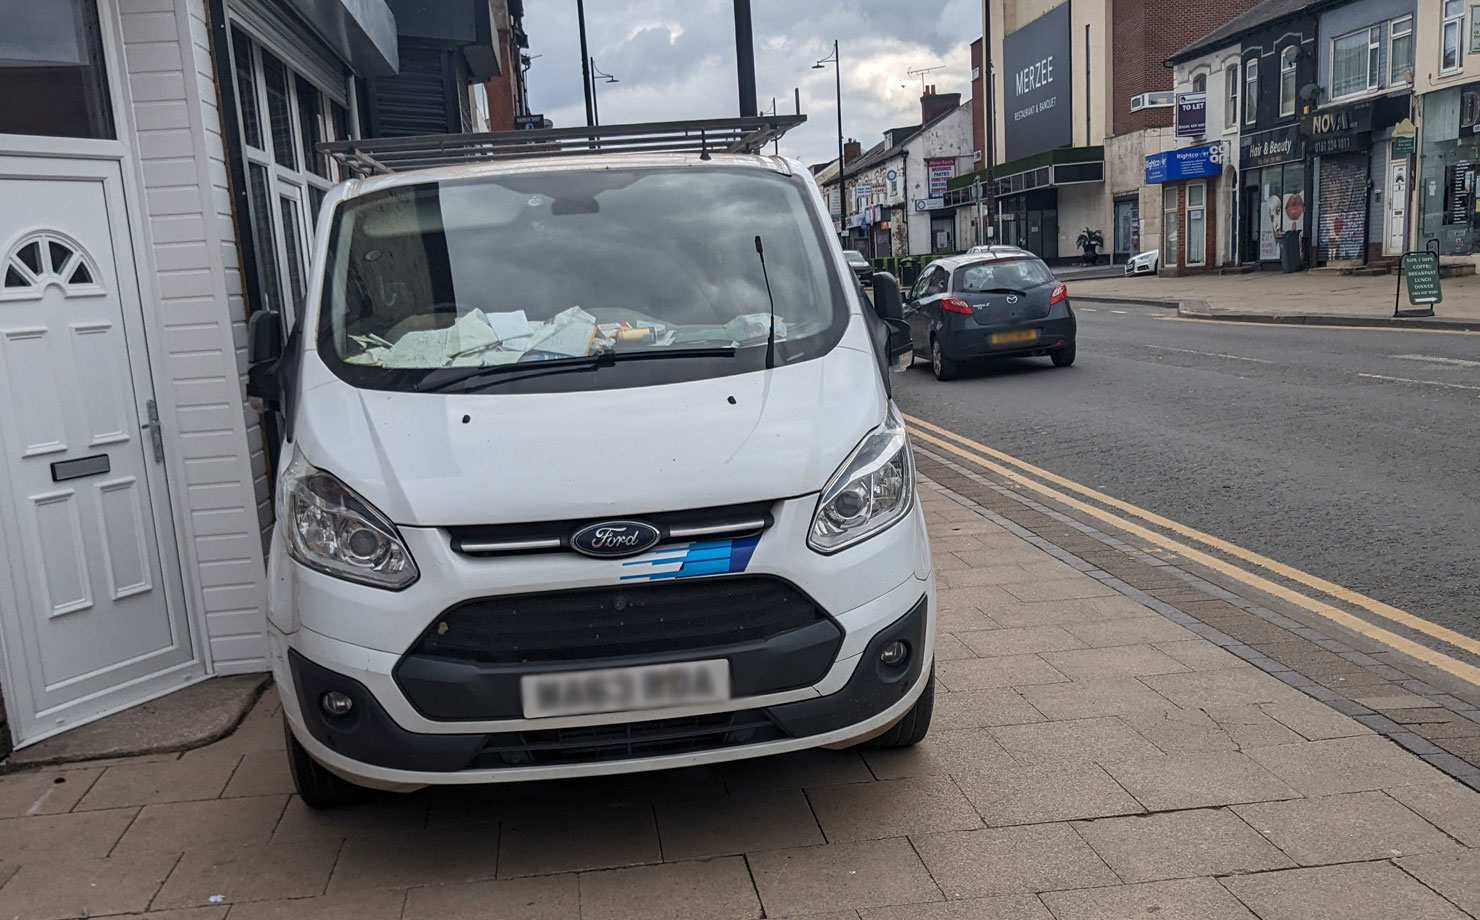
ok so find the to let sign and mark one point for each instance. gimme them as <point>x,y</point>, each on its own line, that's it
<point>1192,114</point>
<point>1422,271</point>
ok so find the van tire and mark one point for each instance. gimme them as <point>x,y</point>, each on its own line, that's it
<point>910,730</point>
<point>944,368</point>
<point>316,785</point>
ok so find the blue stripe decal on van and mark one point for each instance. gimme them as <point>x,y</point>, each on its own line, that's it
<point>712,557</point>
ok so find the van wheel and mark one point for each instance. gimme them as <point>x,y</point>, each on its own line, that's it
<point>945,368</point>
<point>910,730</point>
<point>318,787</point>
<point>1063,357</point>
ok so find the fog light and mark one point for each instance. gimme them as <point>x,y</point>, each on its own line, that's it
<point>895,653</point>
<point>336,704</point>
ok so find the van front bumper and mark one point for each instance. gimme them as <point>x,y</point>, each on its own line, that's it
<point>367,745</point>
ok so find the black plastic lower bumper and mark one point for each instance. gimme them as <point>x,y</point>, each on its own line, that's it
<point>973,344</point>
<point>369,735</point>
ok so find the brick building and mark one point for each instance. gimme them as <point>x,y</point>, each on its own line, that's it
<point>1142,119</point>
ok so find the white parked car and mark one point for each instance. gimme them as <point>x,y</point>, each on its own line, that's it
<point>565,491</point>
<point>1145,263</point>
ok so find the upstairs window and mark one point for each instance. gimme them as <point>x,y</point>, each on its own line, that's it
<point>1230,101</point>
<point>1400,50</point>
<point>1200,83</point>
<point>1450,49</point>
<point>1288,60</point>
<point>1251,91</point>
<point>1356,62</point>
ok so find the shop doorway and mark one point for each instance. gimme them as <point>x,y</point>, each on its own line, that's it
<point>1396,238</point>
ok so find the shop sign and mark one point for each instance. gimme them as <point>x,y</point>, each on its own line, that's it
<point>1185,163</point>
<point>1192,114</point>
<point>929,204</point>
<point>1469,109</point>
<point>1422,272</point>
<point>1036,78</point>
<point>1475,30</point>
<point>1267,148</point>
<point>941,172</point>
<point>1351,119</point>
<point>1344,143</point>
<point>862,190</point>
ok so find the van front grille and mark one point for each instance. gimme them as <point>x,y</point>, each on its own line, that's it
<point>596,743</point>
<point>554,536</point>
<point>618,621</point>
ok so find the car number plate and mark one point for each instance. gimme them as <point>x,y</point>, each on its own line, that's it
<point>621,689</point>
<point>1016,335</point>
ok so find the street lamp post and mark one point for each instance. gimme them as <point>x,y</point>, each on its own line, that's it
<point>836,61</point>
<point>605,78</point>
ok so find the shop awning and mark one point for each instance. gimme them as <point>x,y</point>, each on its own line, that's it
<point>363,32</point>
<point>1060,166</point>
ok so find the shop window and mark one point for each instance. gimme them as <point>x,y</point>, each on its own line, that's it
<point>1289,58</point>
<point>1400,50</point>
<point>1169,210</point>
<point>1230,97</point>
<point>1251,91</point>
<point>1356,62</point>
<point>1197,224</point>
<point>1451,55</point>
<point>52,70</point>
<point>284,116</point>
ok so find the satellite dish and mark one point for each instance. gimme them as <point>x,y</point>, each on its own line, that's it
<point>1310,92</point>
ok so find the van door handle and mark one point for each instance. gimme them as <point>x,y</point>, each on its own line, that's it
<point>155,434</point>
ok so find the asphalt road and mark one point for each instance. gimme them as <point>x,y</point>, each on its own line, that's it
<point>1351,454</point>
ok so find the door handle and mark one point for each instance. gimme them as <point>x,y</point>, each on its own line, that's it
<point>156,436</point>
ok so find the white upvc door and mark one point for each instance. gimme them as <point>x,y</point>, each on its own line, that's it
<point>92,613</point>
<point>1396,239</point>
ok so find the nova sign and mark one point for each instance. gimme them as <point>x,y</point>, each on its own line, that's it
<point>1036,61</point>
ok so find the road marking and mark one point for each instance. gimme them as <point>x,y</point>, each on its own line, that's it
<point>1209,354</point>
<point>1246,325</point>
<point>1388,612</point>
<point>1088,310</point>
<point>1432,383</point>
<point>1457,362</point>
<point>1121,312</point>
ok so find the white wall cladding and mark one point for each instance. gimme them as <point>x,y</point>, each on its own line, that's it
<point>218,469</point>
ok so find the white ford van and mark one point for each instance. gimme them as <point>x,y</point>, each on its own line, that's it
<point>589,465</point>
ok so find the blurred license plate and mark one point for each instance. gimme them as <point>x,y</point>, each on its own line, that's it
<point>1016,335</point>
<point>621,689</point>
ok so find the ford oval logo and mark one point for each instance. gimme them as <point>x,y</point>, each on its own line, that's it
<point>615,538</point>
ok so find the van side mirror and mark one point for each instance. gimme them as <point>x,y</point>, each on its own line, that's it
<point>901,345</point>
<point>887,299</point>
<point>264,349</point>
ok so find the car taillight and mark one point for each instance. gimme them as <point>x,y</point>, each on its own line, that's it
<point>955,305</point>
<point>1060,293</point>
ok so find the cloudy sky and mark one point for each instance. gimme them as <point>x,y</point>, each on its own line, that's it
<point>676,59</point>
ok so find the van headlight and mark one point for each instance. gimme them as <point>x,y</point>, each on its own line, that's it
<point>871,491</point>
<point>334,530</point>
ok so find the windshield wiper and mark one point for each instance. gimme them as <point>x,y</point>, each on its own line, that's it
<point>1002,291</point>
<point>442,380</point>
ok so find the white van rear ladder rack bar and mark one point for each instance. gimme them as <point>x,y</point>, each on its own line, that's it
<point>380,156</point>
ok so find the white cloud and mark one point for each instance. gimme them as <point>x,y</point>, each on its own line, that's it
<point>676,59</point>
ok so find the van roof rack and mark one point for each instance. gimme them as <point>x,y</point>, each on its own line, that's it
<point>381,156</point>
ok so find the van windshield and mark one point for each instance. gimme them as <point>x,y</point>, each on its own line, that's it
<point>504,272</point>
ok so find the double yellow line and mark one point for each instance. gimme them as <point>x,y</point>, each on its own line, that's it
<point>1043,482</point>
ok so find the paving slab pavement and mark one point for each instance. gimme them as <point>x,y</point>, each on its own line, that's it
<point>1324,297</point>
<point>1093,756</point>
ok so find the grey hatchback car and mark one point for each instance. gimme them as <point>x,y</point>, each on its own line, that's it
<point>998,304</point>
